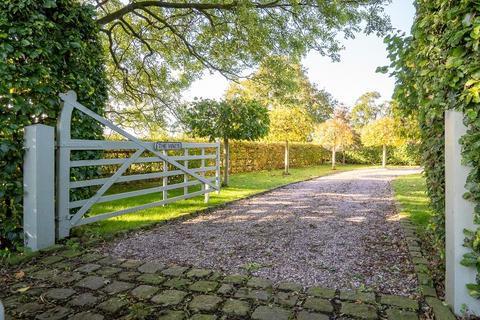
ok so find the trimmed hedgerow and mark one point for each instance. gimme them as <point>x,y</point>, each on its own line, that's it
<point>46,47</point>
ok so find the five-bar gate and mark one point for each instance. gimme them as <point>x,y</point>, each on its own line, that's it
<point>175,171</point>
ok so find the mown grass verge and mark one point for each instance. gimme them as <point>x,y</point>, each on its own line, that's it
<point>241,186</point>
<point>410,193</point>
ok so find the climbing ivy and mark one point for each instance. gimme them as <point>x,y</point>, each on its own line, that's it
<point>437,68</point>
<point>46,47</point>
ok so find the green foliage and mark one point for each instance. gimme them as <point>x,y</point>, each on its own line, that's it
<point>283,82</point>
<point>236,118</point>
<point>437,69</point>
<point>258,156</point>
<point>365,109</point>
<point>334,134</point>
<point>380,132</point>
<point>47,47</point>
<point>158,47</point>
<point>290,124</point>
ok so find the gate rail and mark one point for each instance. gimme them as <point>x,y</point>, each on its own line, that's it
<point>206,175</point>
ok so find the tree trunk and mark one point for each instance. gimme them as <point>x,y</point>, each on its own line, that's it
<point>333,158</point>
<point>343,155</point>
<point>226,161</point>
<point>384,156</point>
<point>286,162</point>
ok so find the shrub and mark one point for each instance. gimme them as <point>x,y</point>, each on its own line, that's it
<point>47,47</point>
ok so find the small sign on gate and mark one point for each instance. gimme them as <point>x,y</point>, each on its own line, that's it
<point>167,145</point>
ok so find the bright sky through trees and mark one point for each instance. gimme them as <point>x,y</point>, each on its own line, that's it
<point>346,80</point>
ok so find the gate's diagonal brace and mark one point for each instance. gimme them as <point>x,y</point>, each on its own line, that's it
<point>79,214</point>
<point>70,98</point>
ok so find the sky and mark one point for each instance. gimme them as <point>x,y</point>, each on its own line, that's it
<point>345,80</point>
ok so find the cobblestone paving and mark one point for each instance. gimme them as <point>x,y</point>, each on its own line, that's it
<point>72,284</point>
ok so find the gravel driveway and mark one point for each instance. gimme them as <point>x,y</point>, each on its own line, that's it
<point>338,231</point>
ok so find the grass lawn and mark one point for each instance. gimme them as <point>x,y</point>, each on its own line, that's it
<point>410,192</point>
<point>241,185</point>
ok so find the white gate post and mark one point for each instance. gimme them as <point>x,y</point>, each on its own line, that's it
<point>39,187</point>
<point>458,216</point>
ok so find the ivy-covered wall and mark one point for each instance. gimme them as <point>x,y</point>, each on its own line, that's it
<point>46,47</point>
<point>437,68</point>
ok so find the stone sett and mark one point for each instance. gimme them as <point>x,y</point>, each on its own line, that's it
<point>257,295</point>
<point>271,313</point>
<point>401,302</point>
<point>87,315</point>
<point>305,315</point>
<point>288,299</point>
<point>56,313</point>
<point>395,314</point>
<point>289,286</point>
<point>131,264</point>
<point>113,305</point>
<point>92,282</point>
<point>29,308</point>
<point>361,311</point>
<point>151,278</point>
<point>128,275</point>
<point>108,271</point>
<point>199,273</point>
<point>90,257</point>
<point>204,286</point>
<point>259,283</point>
<point>318,304</point>
<point>358,296</point>
<point>151,267</point>
<point>51,260</point>
<point>177,283</point>
<point>84,300</point>
<point>321,292</point>
<point>111,261</point>
<point>235,279</point>
<point>117,287</point>
<point>88,268</point>
<point>60,293</point>
<point>66,277</point>
<point>174,271</point>
<point>205,303</point>
<point>225,289</point>
<point>441,311</point>
<point>143,292</point>
<point>199,316</point>
<point>169,297</point>
<point>172,315</point>
<point>236,307</point>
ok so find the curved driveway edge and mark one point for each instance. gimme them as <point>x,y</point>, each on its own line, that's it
<point>338,231</point>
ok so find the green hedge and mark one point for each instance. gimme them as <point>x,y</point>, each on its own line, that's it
<point>255,156</point>
<point>437,68</point>
<point>46,47</point>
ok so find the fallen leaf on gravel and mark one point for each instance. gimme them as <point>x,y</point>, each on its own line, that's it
<point>19,275</point>
<point>24,289</point>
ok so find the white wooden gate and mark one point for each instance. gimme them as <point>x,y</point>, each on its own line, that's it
<point>75,213</point>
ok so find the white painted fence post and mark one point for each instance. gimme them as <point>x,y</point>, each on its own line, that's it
<point>39,187</point>
<point>458,216</point>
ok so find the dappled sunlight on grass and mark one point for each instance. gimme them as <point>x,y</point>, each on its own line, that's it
<point>241,185</point>
<point>410,192</point>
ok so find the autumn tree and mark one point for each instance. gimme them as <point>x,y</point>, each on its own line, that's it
<point>236,118</point>
<point>381,133</point>
<point>365,110</point>
<point>289,124</point>
<point>334,134</point>
<point>282,81</point>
